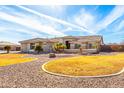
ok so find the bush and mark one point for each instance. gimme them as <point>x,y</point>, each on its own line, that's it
<point>106,48</point>
<point>38,48</point>
<point>77,46</point>
<point>95,46</point>
<point>59,47</point>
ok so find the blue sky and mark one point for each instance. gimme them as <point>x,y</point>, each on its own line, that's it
<point>32,21</point>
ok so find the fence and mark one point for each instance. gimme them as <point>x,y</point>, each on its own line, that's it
<point>112,48</point>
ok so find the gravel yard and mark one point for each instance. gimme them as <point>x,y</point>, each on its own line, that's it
<point>31,75</point>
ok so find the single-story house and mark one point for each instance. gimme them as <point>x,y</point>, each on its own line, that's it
<point>14,47</point>
<point>73,43</point>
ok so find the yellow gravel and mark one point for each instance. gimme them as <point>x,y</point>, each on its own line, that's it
<point>87,65</point>
<point>9,59</point>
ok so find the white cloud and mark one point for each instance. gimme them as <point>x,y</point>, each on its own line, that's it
<point>8,29</point>
<point>2,29</point>
<point>54,19</point>
<point>117,12</point>
<point>31,24</point>
<point>90,21</point>
<point>56,10</point>
<point>121,25</point>
<point>32,33</point>
<point>67,29</point>
<point>85,18</point>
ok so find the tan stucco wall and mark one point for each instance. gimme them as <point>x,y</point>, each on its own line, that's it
<point>13,48</point>
<point>71,50</point>
<point>45,47</point>
<point>25,47</point>
<point>72,46</point>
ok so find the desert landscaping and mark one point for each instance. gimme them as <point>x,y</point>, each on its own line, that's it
<point>31,74</point>
<point>75,62</point>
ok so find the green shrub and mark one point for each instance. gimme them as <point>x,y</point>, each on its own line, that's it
<point>95,46</point>
<point>38,48</point>
<point>77,46</point>
<point>59,47</point>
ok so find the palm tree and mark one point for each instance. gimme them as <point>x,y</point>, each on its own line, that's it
<point>38,48</point>
<point>7,48</point>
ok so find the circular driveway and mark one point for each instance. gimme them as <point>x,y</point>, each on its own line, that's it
<point>31,75</point>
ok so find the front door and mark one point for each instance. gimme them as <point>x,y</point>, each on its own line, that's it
<point>67,44</point>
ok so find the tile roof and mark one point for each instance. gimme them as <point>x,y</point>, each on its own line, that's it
<point>79,38</point>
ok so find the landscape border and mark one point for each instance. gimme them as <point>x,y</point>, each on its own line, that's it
<point>99,76</point>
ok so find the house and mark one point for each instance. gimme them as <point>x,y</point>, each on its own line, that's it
<point>14,47</point>
<point>73,43</point>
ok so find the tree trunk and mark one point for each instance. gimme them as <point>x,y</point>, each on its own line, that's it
<point>38,52</point>
<point>7,51</point>
<point>81,50</point>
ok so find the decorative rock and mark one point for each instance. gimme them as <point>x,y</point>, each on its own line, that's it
<point>14,76</point>
<point>52,55</point>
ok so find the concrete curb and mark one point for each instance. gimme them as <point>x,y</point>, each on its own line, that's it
<point>100,76</point>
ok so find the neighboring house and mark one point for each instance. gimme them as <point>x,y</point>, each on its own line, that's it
<point>73,43</point>
<point>122,42</point>
<point>14,47</point>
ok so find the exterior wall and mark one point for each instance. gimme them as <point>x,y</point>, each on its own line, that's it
<point>28,46</point>
<point>94,45</point>
<point>71,50</point>
<point>47,47</point>
<point>24,47</point>
<point>64,40</point>
<point>13,48</point>
<point>61,40</point>
<point>72,46</point>
<point>78,51</point>
<point>84,45</point>
<point>38,43</point>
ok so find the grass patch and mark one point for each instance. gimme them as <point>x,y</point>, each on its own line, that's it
<point>9,59</point>
<point>87,65</point>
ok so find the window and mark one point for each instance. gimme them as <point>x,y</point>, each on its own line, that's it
<point>95,46</point>
<point>32,45</point>
<point>89,46</point>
